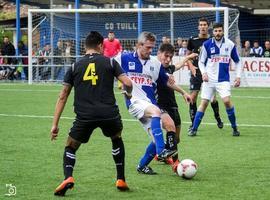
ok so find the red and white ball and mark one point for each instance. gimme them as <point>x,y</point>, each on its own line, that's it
<point>187,168</point>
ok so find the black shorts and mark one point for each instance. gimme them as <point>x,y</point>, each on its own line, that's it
<point>174,114</point>
<point>195,83</point>
<point>82,129</point>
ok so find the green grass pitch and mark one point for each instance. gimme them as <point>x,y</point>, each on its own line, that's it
<point>229,167</point>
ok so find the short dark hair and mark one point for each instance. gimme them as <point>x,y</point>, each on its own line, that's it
<point>93,39</point>
<point>168,48</point>
<point>255,41</point>
<point>111,32</point>
<point>217,25</point>
<point>203,19</point>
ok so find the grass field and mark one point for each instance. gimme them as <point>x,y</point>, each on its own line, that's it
<point>229,167</point>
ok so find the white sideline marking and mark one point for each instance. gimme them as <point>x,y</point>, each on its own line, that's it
<point>27,90</point>
<point>37,90</point>
<point>127,120</point>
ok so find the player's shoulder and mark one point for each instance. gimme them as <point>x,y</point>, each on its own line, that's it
<point>208,42</point>
<point>154,60</point>
<point>194,37</point>
<point>229,42</point>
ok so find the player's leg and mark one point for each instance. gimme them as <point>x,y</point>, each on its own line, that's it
<point>113,129</point>
<point>175,116</point>
<point>154,113</point>
<point>193,105</point>
<point>224,90</point>
<point>215,107</point>
<point>195,87</point>
<point>79,133</point>
<point>168,125</point>
<point>206,94</point>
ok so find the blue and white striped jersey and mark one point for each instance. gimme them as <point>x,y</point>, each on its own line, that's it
<point>215,59</point>
<point>145,74</point>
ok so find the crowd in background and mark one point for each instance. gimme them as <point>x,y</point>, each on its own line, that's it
<point>50,65</point>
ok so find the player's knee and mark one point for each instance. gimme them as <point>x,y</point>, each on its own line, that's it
<point>116,137</point>
<point>203,105</point>
<point>72,143</point>
<point>155,112</point>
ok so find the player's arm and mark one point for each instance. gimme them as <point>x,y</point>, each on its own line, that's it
<point>201,63</point>
<point>238,66</point>
<point>59,107</point>
<point>186,59</point>
<point>180,90</point>
<point>127,85</point>
<point>120,74</point>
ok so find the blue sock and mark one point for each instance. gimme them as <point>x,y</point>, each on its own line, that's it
<point>157,133</point>
<point>149,155</point>
<point>231,116</point>
<point>197,120</point>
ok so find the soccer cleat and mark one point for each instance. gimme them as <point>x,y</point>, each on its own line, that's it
<point>192,133</point>
<point>220,125</point>
<point>174,166</point>
<point>236,132</point>
<point>121,185</point>
<point>64,186</point>
<point>168,161</point>
<point>146,170</point>
<point>166,153</point>
<point>190,128</point>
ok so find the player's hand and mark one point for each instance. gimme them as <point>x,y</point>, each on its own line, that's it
<point>237,82</point>
<point>205,77</point>
<point>192,56</point>
<point>54,132</point>
<point>187,98</point>
<point>171,79</point>
<point>192,68</point>
<point>127,95</point>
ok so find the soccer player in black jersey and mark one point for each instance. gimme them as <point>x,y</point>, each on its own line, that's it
<point>170,116</point>
<point>194,45</point>
<point>95,107</point>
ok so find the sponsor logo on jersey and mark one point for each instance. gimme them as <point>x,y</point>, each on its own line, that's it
<point>131,65</point>
<point>141,79</point>
<point>212,49</point>
<point>220,59</point>
<point>152,68</point>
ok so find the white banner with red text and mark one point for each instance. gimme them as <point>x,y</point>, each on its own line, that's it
<point>255,72</point>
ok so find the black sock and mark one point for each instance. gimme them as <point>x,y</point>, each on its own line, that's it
<point>69,160</point>
<point>215,108</point>
<point>171,143</point>
<point>118,152</point>
<point>192,111</point>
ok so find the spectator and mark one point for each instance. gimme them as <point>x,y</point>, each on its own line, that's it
<point>178,45</point>
<point>8,49</point>
<point>245,52</point>
<point>68,53</point>
<point>266,52</point>
<point>183,49</point>
<point>165,40</point>
<point>111,45</point>
<point>45,60</point>
<point>58,52</point>
<point>23,51</point>
<point>257,50</point>
<point>1,58</point>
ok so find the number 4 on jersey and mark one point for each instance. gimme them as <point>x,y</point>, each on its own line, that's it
<point>90,74</point>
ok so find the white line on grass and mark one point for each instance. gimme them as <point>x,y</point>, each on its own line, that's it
<point>127,120</point>
<point>117,93</point>
<point>26,90</point>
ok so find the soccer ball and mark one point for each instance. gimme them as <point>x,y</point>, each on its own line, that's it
<point>187,168</point>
